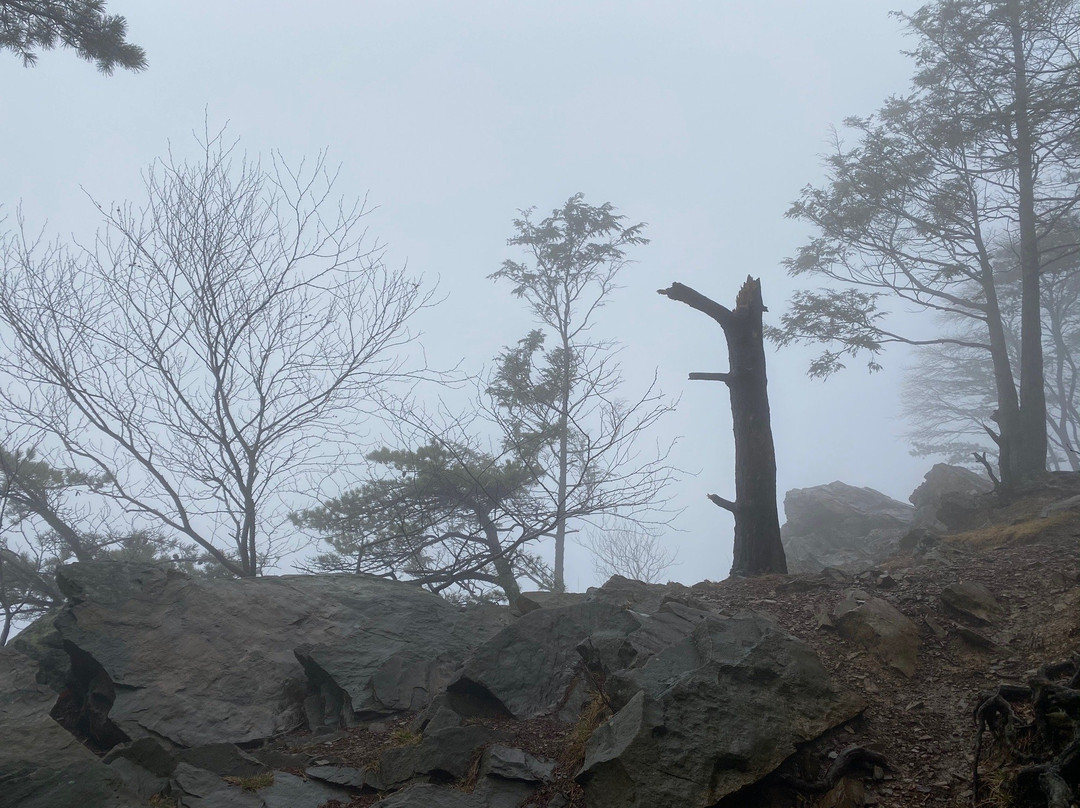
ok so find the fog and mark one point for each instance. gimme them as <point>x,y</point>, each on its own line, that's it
<point>702,119</point>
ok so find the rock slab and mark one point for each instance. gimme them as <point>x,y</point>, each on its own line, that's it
<point>739,692</point>
<point>194,662</point>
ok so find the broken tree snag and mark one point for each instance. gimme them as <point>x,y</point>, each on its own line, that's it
<point>758,550</point>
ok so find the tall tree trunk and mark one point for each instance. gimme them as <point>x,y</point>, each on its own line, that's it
<point>1007,416</point>
<point>758,549</point>
<point>504,570</point>
<point>1033,437</point>
<point>564,469</point>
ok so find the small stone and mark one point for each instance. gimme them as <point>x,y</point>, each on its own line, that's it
<point>935,627</point>
<point>973,637</point>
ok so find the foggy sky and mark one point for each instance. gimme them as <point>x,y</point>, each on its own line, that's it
<point>703,119</point>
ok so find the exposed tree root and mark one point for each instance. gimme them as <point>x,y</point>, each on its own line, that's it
<point>853,757</point>
<point>1047,747</point>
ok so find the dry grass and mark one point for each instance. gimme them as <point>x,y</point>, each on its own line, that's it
<point>593,714</point>
<point>403,736</point>
<point>253,783</point>
<point>1024,532</point>
<point>472,776</point>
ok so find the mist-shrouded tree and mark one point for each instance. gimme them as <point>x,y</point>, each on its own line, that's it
<point>445,514</point>
<point>981,154</point>
<point>215,347</point>
<point>28,26</point>
<point>631,552</point>
<point>558,394</point>
<point>41,527</point>
<point>949,396</point>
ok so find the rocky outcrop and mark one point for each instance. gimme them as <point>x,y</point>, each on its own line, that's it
<point>530,668</point>
<point>185,684</point>
<point>947,497</point>
<point>839,525</point>
<point>41,764</point>
<point>194,661</point>
<point>738,691</point>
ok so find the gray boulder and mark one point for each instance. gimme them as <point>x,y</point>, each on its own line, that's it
<point>196,782</point>
<point>144,784</point>
<point>290,791</point>
<point>146,753</point>
<point>944,491</point>
<point>531,601</point>
<point>346,776</point>
<point>395,656</point>
<point>738,691</point>
<point>1061,506</point>
<point>445,754</point>
<point>534,666</point>
<point>881,628</point>
<point>223,759</point>
<point>426,795</point>
<point>41,764</point>
<point>515,764</point>
<point>528,668</point>
<point>639,596</point>
<point>972,601</point>
<point>839,525</point>
<point>194,662</point>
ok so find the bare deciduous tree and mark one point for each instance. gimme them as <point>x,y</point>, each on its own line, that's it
<point>215,347</point>
<point>630,552</point>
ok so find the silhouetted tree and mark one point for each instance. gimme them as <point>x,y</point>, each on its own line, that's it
<point>560,408</point>
<point>630,552</point>
<point>216,347</point>
<point>980,154</point>
<point>446,515</point>
<point>949,395</point>
<point>758,549</point>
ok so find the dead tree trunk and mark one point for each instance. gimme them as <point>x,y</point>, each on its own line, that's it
<point>758,550</point>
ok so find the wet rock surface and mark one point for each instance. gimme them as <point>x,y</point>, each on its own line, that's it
<point>881,628</point>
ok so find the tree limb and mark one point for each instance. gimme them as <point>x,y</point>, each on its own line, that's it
<point>711,377</point>
<point>726,504</point>
<point>696,300</point>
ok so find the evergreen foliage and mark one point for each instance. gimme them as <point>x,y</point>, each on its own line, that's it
<point>27,26</point>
